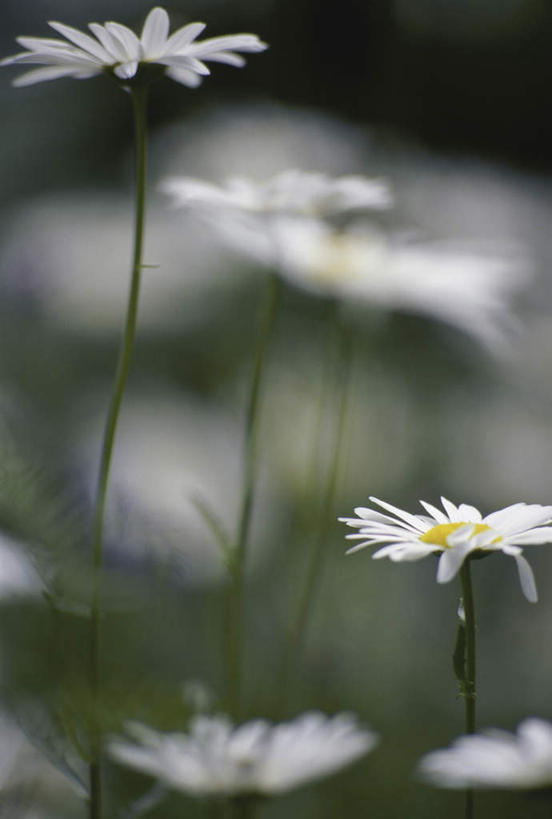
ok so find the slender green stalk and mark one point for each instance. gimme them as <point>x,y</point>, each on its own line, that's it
<point>325,515</point>
<point>469,687</point>
<point>139,100</point>
<point>234,645</point>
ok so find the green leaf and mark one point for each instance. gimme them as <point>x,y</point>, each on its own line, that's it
<point>216,527</point>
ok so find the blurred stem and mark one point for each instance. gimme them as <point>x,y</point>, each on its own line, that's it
<point>139,102</point>
<point>239,550</point>
<point>469,687</point>
<point>326,512</point>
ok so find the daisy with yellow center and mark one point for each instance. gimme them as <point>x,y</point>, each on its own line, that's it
<point>456,532</point>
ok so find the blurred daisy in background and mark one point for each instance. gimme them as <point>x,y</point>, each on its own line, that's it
<point>250,215</point>
<point>257,758</point>
<point>288,223</point>
<point>494,759</point>
<point>455,533</point>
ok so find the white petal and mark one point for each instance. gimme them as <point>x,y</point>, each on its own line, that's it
<point>412,520</point>
<point>155,33</point>
<point>184,76</point>
<point>48,73</point>
<point>228,57</point>
<point>450,562</point>
<point>82,40</point>
<point>434,512</point>
<point>126,70</point>
<point>451,510</point>
<point>183,37</point>
<point>178,60</point>
<point>469,513</point>
<point>533,537</point>
<point>228,42</point>
<point>127,38</point>
<point>109,42</point>
<point>527,579</point>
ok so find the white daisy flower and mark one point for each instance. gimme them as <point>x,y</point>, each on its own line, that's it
<point>249,215</point>
<point>116,49</point>
<point>285,223</point>
<point>457,284</point>
<point>289,192</point>
<point>217,759</point>
<point>457,532</point>
<point>494,759</point>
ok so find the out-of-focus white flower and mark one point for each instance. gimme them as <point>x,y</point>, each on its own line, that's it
<point>464,287</point>
<point>494,759</point>
<point>290,192</point>
<point>215,758</point>
<point>18,576</point>
<point>252,216</point>
<point>286,223</point>
<point>116,48</point>
<point>457,532</point>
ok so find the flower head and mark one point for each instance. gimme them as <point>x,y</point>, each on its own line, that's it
<point>288,223</point>
<point>116,49</point>
<point>455,533</point>
<point>291,192</point>
<point>494,759</point>
<point>215,758</point>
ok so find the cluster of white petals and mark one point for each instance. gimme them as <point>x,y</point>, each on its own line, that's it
<point>217,759</point>
<point>253,217</point>
<point>288,223</point>
<point>456,532</point>
<point>117,48</point>
<point>494,759</point>
<point>291,192</point>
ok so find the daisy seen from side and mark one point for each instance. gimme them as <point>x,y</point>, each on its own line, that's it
<point>456,533</point>
<point>494,759</point>
<point>116,49</point>
<point>217,759</point>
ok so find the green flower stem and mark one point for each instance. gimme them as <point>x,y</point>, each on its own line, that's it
<point>239,550</point>
<point>325,515</point>
<point>469,687</point>
<point>139,101</point>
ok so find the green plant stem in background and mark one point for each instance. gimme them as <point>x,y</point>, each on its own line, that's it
<point>239,551</point>
<point>326,513</point>
<point>139,101</point>
<point>469,686</point>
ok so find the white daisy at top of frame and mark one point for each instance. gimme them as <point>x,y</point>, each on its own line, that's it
<point>217,759</point>
<point>456,533</point>
<point>117,49</point>
<point>494,759</point>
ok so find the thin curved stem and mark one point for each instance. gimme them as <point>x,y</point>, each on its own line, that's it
<point>139,101</point>
<point>469,686</point>
<point>296,634</point>
<point>234,644</point>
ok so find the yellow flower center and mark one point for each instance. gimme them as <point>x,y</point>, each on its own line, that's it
<point>439,534</point>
